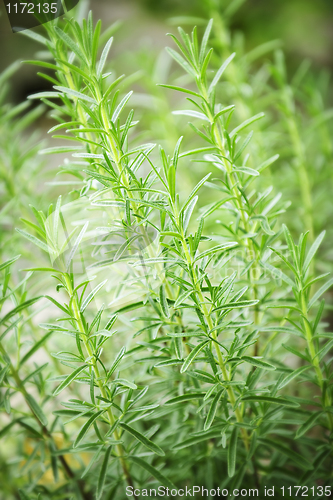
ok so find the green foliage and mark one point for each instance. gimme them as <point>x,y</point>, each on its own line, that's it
<point>178,343</point>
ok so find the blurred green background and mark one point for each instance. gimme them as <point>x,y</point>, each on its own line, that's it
<point>305,28</point>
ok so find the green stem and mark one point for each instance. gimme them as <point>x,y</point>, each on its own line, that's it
<point>100,384</point>
<point>314,358</point>
<point>21,388</point>
<point>210,324</point>
<point>233,182</point>
<point>125,180</point>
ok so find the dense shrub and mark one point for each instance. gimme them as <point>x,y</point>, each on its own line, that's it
<point>163,326</point>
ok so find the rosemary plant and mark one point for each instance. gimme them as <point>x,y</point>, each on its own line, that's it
<point>169,339</point>
<point>19,163</point>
